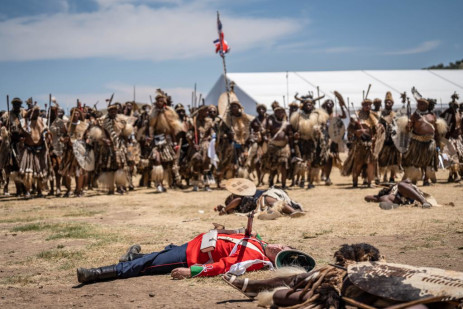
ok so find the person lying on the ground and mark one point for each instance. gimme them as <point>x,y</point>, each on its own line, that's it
<point>269,204</point>
<point>402,193</point>
<point>358,278</point>
<point>233,252</point>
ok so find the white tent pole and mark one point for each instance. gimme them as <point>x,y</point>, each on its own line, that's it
<point>287,86</point>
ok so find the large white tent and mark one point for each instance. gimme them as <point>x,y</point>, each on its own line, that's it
<point>254,88</point>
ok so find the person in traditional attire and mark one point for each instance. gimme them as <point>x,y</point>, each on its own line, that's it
<point>112,155</point>
<point>296,164</point>
<point>34,160</point>
<point>143,139</point>
<point>12,146</point>
<point>257,142</point>
<point>76,161</point>
<point>359,278</point>
<point>232,133</point>
<point>377,106</point>
<point>335,126</point>
<point>389,158</point>
<point>184,138</point>
<point>296,287</point>
<point>130,108</point>
<point>199,139</point>
<point>362,130</point>
<point>163,127</point>
<point>425,130</point>
<point>279,135</point>
<point>400,194</point>
<point>268,204</point>
<point>58,130</point>
<point>308,124</point>
<point>454,120</point>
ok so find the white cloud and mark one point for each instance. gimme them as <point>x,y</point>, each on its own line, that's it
<point>422,48</point>
<point>340,50</point>
<point>123,30</point>
<point>122,93</point>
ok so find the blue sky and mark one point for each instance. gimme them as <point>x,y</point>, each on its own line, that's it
<point>88,49</point>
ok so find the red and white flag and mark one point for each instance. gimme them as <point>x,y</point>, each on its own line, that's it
<point>221,46</point>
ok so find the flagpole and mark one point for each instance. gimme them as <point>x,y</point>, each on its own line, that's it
<point>222,54</point>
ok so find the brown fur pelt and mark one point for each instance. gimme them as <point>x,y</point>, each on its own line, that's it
<point>430,174</point>
<point>361,252</point>
<point>157,174</point>
<point>128,130</point>
<point>4,133</point>
<point>165,120</point>
<point>402,123</point>
<point>240,126</point>
<point>120,177</point>
<point>106,180</point>
<point>96,134</point>
<point>242,172</point>
<point>441,126</point>
<point>300,168</point>
<point>308,124</point>
<point>315,174</point>
<point>412,173</point>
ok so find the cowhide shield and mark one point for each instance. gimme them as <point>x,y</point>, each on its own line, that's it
<point>133,152</point>
<point>57,129</point>
<point>401,138</point>
<point>405,283</point>
<point>223,102</point>
<point>380,137</point>
<point>336,130</point>
<point>85,158</point>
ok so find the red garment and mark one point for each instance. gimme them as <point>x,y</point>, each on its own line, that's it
<point>222,255</point>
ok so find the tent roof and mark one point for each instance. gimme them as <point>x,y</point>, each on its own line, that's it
<point>267,87</point>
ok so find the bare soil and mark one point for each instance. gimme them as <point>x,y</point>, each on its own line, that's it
<point>43,241</point>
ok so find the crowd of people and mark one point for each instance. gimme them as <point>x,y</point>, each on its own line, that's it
<point>44,149</point>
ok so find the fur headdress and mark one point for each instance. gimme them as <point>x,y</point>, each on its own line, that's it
<point>113,106</point>
<point>81,113</point>
<point>179,106</point>
<point>367,101</point>
<point>17,101</point>
<point>277,107</point>
<point>160,94</point>
<point>261,105</point>
<point>293,104</point>
<point>388,97</point>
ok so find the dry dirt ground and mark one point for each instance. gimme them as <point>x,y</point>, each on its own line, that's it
<point>42,241</point>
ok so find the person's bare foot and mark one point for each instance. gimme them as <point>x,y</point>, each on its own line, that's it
<point>370,198</point>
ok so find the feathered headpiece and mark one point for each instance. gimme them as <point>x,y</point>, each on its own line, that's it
<point>418,97</point>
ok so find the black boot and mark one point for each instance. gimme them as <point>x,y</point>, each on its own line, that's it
<point>132,253</point>
<point>86,275</point>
